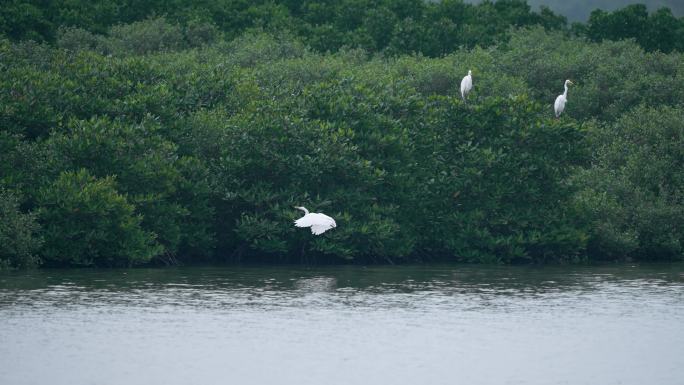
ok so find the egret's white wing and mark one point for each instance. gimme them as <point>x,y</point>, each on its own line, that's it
<point>320,229</point>
<point>318,222</point>
<point>319,218</point>
<point>466,85</point>
<point>559,105</point>
<point>305,221</point>
<point>322,218</point>
<point>323,224</point>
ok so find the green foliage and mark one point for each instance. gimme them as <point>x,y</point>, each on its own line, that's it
<point>139,38</point>
<point>253,49</point>
<point>170,193</point>
<point>633,192</point>
<point>374,141</point>
<point>87,222</point>
<point>658,31</point>
<point>147,36</point>
<point>432,28</point>
<point>610,78</point>
<point>399,27</point>
<point>23,20</point>
<point>159,141</point>
<point>19,240</point>
<point>500,169</point>
<point>579,11</point>
<point>271,162</point>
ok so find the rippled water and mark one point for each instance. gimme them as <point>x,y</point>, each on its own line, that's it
<point>350,325</point>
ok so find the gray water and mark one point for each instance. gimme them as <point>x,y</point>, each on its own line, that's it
<point>352,325</point>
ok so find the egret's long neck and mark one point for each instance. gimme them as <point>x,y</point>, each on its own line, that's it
<point>565,94</point>
<point>306,212</point>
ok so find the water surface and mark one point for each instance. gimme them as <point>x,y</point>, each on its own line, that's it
<point>344,325</point>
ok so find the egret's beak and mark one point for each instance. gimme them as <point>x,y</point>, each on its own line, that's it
<point>571,83</point>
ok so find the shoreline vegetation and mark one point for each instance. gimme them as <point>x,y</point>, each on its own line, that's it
<point>129,138</point>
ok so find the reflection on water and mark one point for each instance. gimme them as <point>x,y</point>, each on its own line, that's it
<point>344,325</point>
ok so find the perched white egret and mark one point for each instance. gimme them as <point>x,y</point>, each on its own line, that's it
<point>559,105</point>
<point>466,85</point>
<point>318,222</point>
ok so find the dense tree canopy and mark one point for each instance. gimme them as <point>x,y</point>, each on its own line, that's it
<point>579,10</point>
<point>171,139</point>
<point>657,31</point>
<point>432,28</point>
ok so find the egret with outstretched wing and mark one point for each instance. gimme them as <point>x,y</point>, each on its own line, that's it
<point>319,223</point>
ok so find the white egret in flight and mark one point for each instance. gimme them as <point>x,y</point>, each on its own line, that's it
<point>318,222</point>
<point>466,85</point>
<point>559,105</point>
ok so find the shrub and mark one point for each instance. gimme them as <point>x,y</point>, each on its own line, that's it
<point>87,222</point>
<point>22,20</point>
<point>271,163</point>
<point>255,48</point>
<point>198,33</point>
<point>490,185</point>
<point>633,192</point>
<point>19,239</point>
<point>78,39</point>
<point>151,35</point>
<point>169,193</point>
